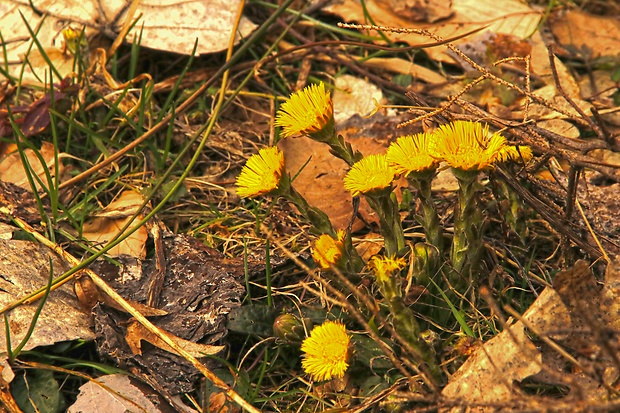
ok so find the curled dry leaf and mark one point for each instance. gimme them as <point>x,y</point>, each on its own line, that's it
<point>136,332</point>
<point>105,225</point>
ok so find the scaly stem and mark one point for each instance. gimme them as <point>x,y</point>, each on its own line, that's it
<point>467,244</point>
<point>319,219</point>
<point>389,221</point>
<point>429,219</point>
<point>405,322</point>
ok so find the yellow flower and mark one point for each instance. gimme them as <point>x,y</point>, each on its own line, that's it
<point>368,176</point>
<point>410,153</point>
<point>327,250</point>
<point>326,351</point>
<point>308,112</point>
<point>384,267</point>
<point>261,173</point>
<point>514,153</point>
<point>466,145</point>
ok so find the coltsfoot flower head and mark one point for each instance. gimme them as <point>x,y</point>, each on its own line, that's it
<point>369,176</point>
<point>386,267</point>
<point>514,153</point>
<point>328,251</point>
<point>466,145</point>
<point>261,174</point>
<point>326,351</point>
<point>309,111</point>
<point>410,153</point>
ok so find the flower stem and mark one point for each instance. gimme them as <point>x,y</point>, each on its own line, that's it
<point>405,322</point>
<point>467,244</point>
<point>389,221</point>
<point>429,219</point>
<point>319,219</point>
<point>343,150</point>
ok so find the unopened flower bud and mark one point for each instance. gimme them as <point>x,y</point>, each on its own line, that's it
<point>291,329</point>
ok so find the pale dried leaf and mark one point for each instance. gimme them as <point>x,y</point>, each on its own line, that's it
<point>25,267</point>
<point>115,393</point>
<point>488,375</point>
<point>106,225</point>
<point>175,25</point>
<point>354,96</point>
<point>12,169</point>
<point>169,25</point>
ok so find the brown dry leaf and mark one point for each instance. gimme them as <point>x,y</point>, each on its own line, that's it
<point>513,17</point>
<point>117,393</point>
<point>320,182</point>
<point>136,332</point>
<point>323,171</point>
<point>89,296</point>
<point>420,10</point>
<point>12,169</point>
<point>25,267</point>
<point>106,225</point>
<point>599,34</point>
<point>405,67</point>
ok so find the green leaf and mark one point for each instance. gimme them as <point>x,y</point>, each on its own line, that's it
<point>38,391</point>
<point>368,352</point>
<point>253,319</point>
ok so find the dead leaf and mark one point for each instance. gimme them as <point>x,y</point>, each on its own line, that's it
<point>105,225</point>
<point>117,393</point>
<point>513,17</point>
<point>200,287</point>
<point>428,11</point>
<point>367,135</point>
<point>354,96</point>
<point>172,26</point>
<point>136,332</point>
<point>572,317</point>
<point>585,33</point>
<point>488,375</point>
<point>25,267</point>
<point>12,169</point>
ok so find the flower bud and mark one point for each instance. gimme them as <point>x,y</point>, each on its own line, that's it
<point>291,329</point>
